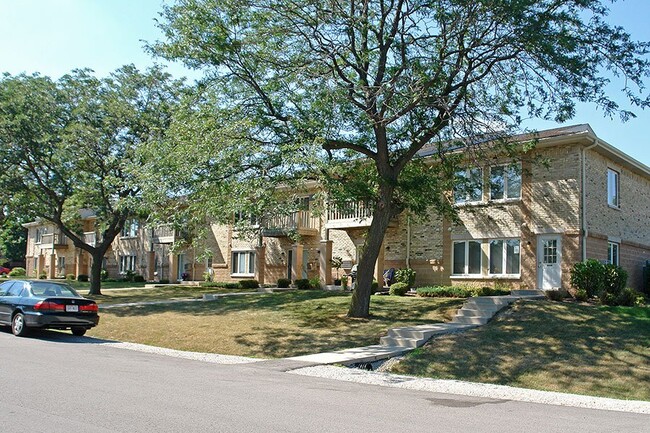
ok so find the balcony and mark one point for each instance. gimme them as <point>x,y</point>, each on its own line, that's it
<point>302,222</point>
<point>352,215</point>
<point>53,240</point>
<point>91,238</point>
<point>164,235</point>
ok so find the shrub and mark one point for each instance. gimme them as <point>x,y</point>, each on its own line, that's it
<point>398,289</point>
<point>283,283</point>
<point>580,295</point>
<point>629,298</point>
<point>83,278</point>
<point>103,275</point>
<point>207,277</point>
<point>588,276</point>
<point>406,276</point>
<point>487,291</point>
<point>221,285</point>
<point>443,292</point>
<point>302,284</point>
<point>375,286</point>
<point>615,279</point>
<point>344,282</point>
<point>554,295</point>
<point>128,276</point>
<point>42,276</point>
<point>249,284</point>
<point>17,272</point>
<point>163,281</point>
<point>70,277</point>
<point>314,283</point>
<point>138,279</point>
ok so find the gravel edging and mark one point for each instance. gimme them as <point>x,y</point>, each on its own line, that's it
<point>482,390</point>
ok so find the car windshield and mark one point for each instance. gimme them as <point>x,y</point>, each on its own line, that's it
<point>53,290</point>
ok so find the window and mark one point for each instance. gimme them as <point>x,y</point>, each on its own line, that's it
<point>130,229</point>
<point>39,234</point>
<point>613,253</point>
<point>467,258</point>
<point>127,263</point>
<point>613,188</point>
<point>469,186</point>
<point>505,182</point>
<point>60,265</point>
<point>504,257</point>
<point>243,263</point>
<point>243,219</point>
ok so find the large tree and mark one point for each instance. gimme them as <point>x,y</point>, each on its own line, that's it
<point>69,147</point>
<point>372,82</point>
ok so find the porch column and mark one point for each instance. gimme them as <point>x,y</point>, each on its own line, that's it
<point>260,264</point>
<point>77,262</point>
<point>379,267</point>
<point>39,265</point>
<point>325,259</point>
<point>51,271</point>
<point>296,266</point>
<point>173,267</point>
<point>151,269</point>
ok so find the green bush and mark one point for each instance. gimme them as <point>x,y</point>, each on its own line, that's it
<point>398,289</point>
<point>163,281</point>
<point>138,279</point>
<point>406,276</point>
<point>443,292</point>
<point>588,276</point>
<point>249,284</point>
<point>17,272</point>
<point>615,279</point>
<point>42,276</point>
<point>302,284</point>
<point>70,277</point>
<point>220,285</point>
<point>554,295</point>
<point>629,298</point>
<point>375,286</point>
<point>314,283</point>
<point>283,283</point>
<point>487,291</point>
<point>83,278</point>
<point>103,275</point>
<point>580,295</point>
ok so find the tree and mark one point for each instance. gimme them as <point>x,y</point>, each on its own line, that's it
<point>69,147</point>
<point>372,83</point>
<point>13,237</point>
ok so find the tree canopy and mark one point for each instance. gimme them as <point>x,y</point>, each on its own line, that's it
<point>368,84</point>
<point>69,147</point>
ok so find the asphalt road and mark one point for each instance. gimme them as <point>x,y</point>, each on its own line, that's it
<point>54,382</point>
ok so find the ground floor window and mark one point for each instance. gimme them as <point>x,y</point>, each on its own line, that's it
<point>243,263</point>
<point>467,258</point>
<point>613,253</point>
<point>504,257</point>
<point>60,265</point>
<point>127,263</point>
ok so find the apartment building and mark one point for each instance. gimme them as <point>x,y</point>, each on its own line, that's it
<point>521,224</point>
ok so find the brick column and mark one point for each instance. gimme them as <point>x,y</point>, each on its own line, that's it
<point>51,271</point>
<point>39,265</point>
<point>260,264</point>
<point>151,268</point>
<point>325,259</point>
<point>77,262</point>
<point>296,266</point>
<point>173,267</point>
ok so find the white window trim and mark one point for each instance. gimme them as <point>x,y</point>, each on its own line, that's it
<point>250,255</point>
<point>610,250</point>
<point>467,201</point>
<point>131,228</point>
<point>504,259</point>
<point>617,204</point>
<point>465,274</point>
<point>505,184</point>
<point>126,260</point>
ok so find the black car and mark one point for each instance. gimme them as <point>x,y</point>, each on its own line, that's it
<point>44,304</point>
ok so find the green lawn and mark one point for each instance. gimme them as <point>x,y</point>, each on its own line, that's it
<point>168,292</point>
<point>268,325</point>
<point>602,351</point>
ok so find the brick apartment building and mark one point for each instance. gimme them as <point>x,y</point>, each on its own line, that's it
<point>522,225</point>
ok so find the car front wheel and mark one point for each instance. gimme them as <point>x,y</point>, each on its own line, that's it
<point>78,331</point>
<point>18,326</point>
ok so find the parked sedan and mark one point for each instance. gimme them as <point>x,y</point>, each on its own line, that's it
<point>44,304</point>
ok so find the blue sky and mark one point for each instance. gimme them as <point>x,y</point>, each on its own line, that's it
<point>55,36</point>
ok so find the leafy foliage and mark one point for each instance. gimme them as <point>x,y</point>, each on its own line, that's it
<point>18,272</point>
<point>406,276</point>
<point>398,289</point>
<point>249,284</point>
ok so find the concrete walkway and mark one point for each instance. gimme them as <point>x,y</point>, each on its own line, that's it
<point>475,312</point>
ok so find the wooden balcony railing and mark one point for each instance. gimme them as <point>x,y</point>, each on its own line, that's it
<point>304,222</point>
<point>164,235</point>
<point>351,214</point>
<point>56,239</point>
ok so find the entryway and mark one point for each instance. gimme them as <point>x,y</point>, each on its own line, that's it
<point>549,262</point>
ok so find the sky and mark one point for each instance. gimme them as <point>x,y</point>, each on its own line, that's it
<point>53,37</point>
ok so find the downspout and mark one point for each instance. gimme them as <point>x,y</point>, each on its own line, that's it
<point>585,231</point>
<point>408,241</point>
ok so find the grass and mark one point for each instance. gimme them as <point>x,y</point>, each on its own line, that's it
<point>581,349</point>
<point>169,292</point>
<point>268,325</point>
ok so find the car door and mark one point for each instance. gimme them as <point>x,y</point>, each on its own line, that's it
<point>5,307</point>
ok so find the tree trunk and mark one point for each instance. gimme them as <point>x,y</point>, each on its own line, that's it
<point>96,272</point>
<point>383,213</point>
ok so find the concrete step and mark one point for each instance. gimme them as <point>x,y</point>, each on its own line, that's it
<point>402,342</point>
<point>470,312</point>
<point>471,320</point>
<point>420,332</point>
<point>527,293</point>
<point>492,300</point>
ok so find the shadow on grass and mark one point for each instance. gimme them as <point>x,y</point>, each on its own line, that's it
<point>548,345</point>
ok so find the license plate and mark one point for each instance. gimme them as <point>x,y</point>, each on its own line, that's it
<point>72,308</point>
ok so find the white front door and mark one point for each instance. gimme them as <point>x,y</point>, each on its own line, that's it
<point>549,262</point>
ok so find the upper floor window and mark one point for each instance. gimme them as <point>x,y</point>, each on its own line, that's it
<point>243,218</point>
<point>468,187</point>
<point>613,188</point>
<point>505,182</point>
<point>39,234</point>
<point>467,258</point>
<point>130,229</point>
<point>612,253</point>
